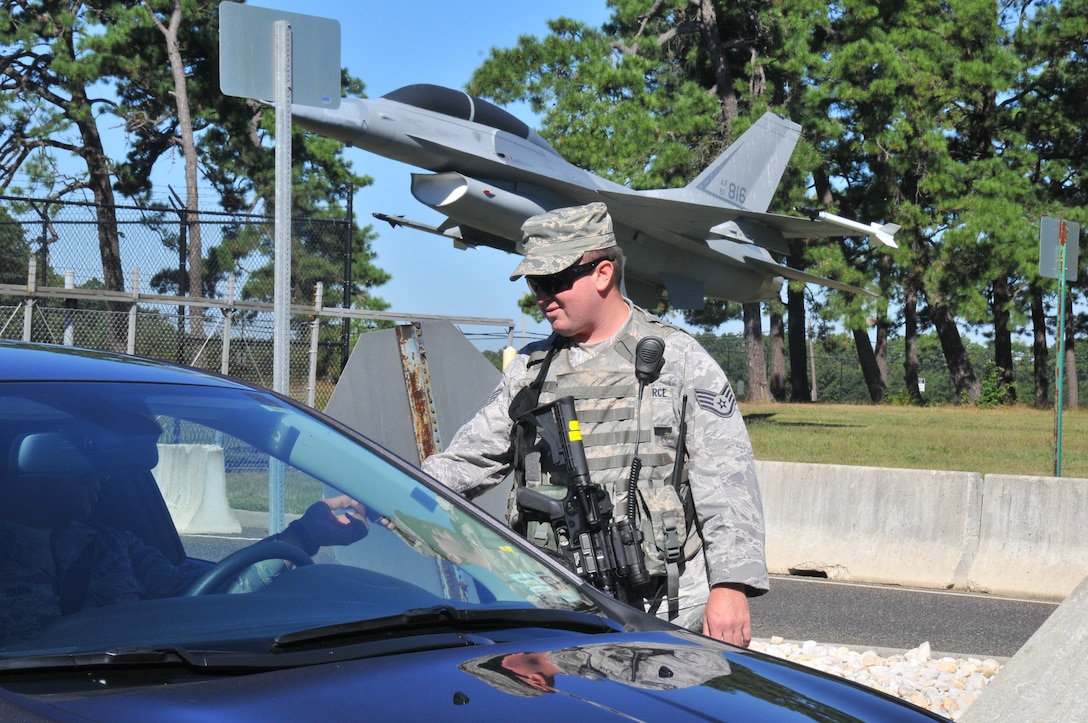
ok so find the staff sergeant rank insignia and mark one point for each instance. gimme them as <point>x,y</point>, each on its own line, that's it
<point>722,403</point>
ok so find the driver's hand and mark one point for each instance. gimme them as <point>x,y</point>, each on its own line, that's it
<point>320,525</point>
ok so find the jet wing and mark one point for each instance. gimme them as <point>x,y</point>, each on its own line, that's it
<point>796,275</point>
<point>666,215</point>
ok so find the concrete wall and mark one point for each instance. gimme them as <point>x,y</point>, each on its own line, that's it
<point>1001,534</point>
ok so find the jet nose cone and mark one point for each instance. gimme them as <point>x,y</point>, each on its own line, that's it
<point>346,123</point>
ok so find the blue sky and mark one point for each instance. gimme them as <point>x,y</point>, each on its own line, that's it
<point>390,45</point>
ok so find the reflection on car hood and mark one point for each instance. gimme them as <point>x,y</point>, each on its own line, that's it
<point>646,676</point>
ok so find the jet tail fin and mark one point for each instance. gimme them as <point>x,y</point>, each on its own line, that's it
<point>747,174</point>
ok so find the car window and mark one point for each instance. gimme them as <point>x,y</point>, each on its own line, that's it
<point>132,494</point>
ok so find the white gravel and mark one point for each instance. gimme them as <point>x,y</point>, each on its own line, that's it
<point>944,684</point>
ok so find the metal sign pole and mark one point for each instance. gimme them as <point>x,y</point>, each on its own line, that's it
<point>1060,391</point>
<point>1059,250</point>
<point>281,307</point>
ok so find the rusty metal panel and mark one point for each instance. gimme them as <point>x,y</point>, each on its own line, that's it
<point>417,385</point>
<point>372,397</point>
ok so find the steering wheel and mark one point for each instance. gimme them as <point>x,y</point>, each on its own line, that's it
<point>232,565</point>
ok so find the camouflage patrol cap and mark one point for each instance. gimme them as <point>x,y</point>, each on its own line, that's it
<point>554,240</point>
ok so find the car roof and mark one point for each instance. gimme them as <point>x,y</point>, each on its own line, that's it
<point>22,361</point>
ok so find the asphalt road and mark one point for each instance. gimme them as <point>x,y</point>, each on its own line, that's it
<point>803,608</point>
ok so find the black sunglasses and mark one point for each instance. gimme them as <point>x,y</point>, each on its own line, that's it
<point>556,283</point>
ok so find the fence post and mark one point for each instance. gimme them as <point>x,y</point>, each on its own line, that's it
<point>345,327</point>
<point>69,304</point>
<point>132,310</point>
<point>31,287</point>
<point>228,317</point>
<point>315,327</point>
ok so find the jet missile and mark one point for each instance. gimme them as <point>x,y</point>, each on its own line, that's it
<point>884,233</point>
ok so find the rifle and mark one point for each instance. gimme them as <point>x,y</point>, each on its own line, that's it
<point>605,552</point>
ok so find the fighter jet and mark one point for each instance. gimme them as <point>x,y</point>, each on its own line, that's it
<point>489,172</point>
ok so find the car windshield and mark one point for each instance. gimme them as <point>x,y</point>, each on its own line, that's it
<point>123,508</point>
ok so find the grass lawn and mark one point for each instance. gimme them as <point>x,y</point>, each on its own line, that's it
<point>249,491</point>
<point>1006,440</point>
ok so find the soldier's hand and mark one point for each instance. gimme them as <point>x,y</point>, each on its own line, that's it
<point>321,526</point>
<point>727,616</point>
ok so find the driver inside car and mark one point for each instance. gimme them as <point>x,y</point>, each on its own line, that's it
<point>57,560</point>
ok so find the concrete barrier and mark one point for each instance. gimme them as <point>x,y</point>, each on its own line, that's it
<point>1044,681</point>
<point>898,526</point>
<point>196,509</point>
<point>1033,536</point>
<point>1011,535</point>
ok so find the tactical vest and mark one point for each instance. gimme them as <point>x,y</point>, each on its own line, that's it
<point>605,393</point>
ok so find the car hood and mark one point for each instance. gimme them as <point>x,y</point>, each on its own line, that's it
<point>642,676</point>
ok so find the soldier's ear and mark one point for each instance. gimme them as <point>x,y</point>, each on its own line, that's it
<point>604,276</point>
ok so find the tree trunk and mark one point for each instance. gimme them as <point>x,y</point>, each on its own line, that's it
<point>195,257</point>
<point>778,358</point>
<point>755,365</point>
<point>883,325</point>
<point>910,340</point>
<point>100,182</point>
<point>1039,348</point>
<point>723,76</point>
<point>959,365</point>
<point>800,390</point>
<point>870,369</point>
<point>1003,338</point>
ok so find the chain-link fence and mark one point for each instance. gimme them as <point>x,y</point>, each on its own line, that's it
<point>57,285</point>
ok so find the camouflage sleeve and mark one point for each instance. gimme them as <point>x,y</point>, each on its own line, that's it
<point>479,456</point>
<point>159,577</point>
<point>721,471</point>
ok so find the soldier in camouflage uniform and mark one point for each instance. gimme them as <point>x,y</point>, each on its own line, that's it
<point>574,267</point>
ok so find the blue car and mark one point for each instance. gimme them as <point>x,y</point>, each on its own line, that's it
<point>176,545</point>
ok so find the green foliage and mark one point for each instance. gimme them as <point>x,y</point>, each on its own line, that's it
<point>14,250</point>
<point>839,379</point>
<point>728,351</point>
<point>528,306</point>
<point>960,120</point>
<point>713,315</point>
<point>46,69</point>
<point>994,392</point>
<point>495,357</point>
<point>604,109</point>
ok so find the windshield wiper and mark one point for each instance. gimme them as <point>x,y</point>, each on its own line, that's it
<point>146,660</point>
<point>420,628</point>
<point>446,618</point>
<point>134,657</point>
